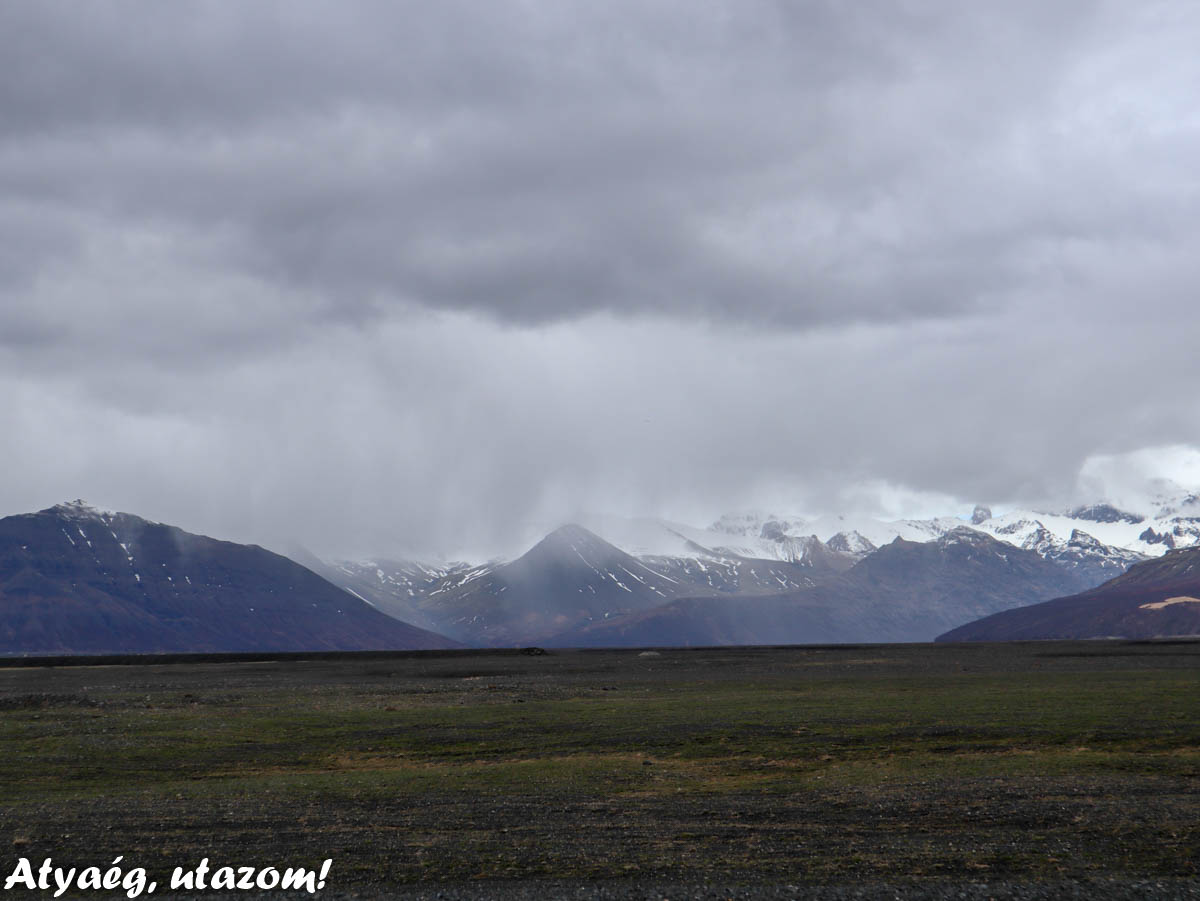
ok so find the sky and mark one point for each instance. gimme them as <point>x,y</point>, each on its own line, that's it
<point>418,278</point>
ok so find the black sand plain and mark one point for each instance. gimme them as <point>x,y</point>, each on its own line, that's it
<point>1028,770</point>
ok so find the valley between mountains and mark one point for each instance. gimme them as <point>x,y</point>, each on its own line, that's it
<point>77,580</point>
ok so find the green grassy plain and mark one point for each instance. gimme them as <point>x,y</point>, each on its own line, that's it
<point>822,765</point>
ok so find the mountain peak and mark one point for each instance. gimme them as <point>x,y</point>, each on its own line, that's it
<point>753,523</point>
<point>1104,513</point>
<point>573,533</point>
<point>851,542</point>
<point>1080,538</point>
<point>965,535</point>
<point>79,509</point>
<point>573,542</point>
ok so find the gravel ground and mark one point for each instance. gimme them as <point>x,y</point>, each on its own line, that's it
<point>108,760</point>
<point>1097,890</point>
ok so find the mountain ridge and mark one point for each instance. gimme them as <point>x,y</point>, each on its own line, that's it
<point>901,592</point>
<point>749,578</point>
<point>573,577</point>
<point>74,579</point>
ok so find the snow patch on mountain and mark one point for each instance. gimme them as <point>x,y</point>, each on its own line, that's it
<point>850,543</point>
<point>80,510</point>
<point>755,536</point>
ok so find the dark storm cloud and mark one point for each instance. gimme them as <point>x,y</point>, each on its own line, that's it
<point>767,162</point>
<point>413,275</point>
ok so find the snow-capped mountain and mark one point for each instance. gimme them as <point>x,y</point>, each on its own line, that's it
<point>1145,535</point>
<point>394,586</point>
<point>611,581</point>
<point>1100,562</point>
<point>1102,535</point>
<point>904,591</point>
<point>573,577</point>
<point>580,579</point>
<point>743,536</point>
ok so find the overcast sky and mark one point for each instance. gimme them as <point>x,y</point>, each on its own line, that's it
<point>420,277</point>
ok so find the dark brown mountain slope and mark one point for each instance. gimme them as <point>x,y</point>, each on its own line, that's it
<point>75,580</point>
<point>1157,598</point>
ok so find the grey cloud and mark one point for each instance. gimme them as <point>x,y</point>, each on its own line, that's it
<point>538,162</point>
<point>416,275</point>
<point>441,434</point>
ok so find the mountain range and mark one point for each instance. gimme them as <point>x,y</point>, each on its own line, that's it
<point>78,580</point>
<point>750,578</point>
<point>1098,536</point>
<point>568,580</point>
<point>904,591</point>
